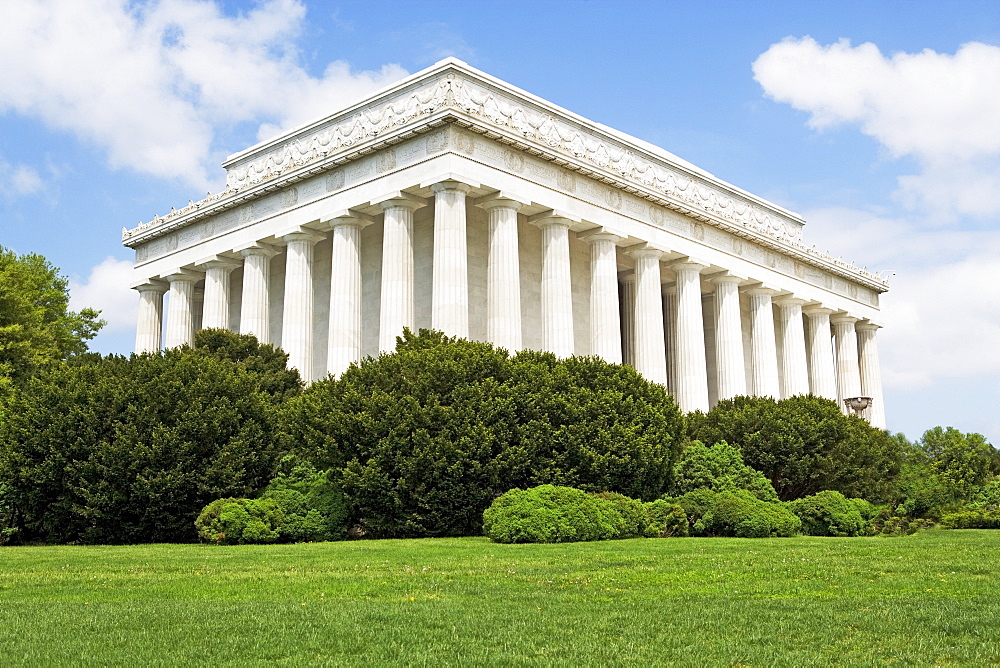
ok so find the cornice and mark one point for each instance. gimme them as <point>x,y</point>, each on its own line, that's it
<point>453,92</point>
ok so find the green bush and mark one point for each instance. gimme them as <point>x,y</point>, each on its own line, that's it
<point>666,520</point>
<point>719,468</point>
<point>736,513</point>
<point>972,518</point>
<point>551,514</point>
<point>828,513</point>
<point>635,517</point>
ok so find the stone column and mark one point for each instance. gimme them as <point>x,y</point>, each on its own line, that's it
<point>871,373</point>
<point>503,287</point>
<point>692,375</point>
<point>848,372</point>
<point>822,379</point>
<point>217,270</point>
<point>729,338</point>
<point>150,324</point>
<point>763,351</point>
<point>396,310</point>
<point>627,310</point>
<point>255,307</point>
<point>670,334</point>
<point>450,288</point>
<point>180,311</point>
<point>344,342</point>
<point>557,288</point>
<point>198,309</point>
<point>794,369</point>
<point>650,357</point>
<point>605,327</point>
<point>297,316</point>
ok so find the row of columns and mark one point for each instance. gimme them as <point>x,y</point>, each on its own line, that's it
<point>654,323</point>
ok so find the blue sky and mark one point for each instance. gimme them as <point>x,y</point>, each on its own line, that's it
<point>877,121</point>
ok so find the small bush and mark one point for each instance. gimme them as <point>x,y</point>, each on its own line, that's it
<point>666,520</point>
<point>635,518</point>
<point>736,513</point>
<point>551,514</point>
<point>972,518</point>
<point>719,468</point>
<point>828,513</point>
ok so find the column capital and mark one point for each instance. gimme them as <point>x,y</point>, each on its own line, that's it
<point>300,234</point>
<point>217,262</point>
<point>627,276</point>
<point>502,200</point>
<point>843,319</point>
<point>691,264</point>
<point>257,248</point>
<point>599,234</point>
<point>150,285</point>
<point>867,325</point>
<point>451,184</point>
<point>644,251</point>
<point>450,181</point>
<point>791,301</point>
<point>553,217</point>
<point>762,290</point>
<point>817,310</point>
<point>726,279</point>
<point>348,217</point>
<point>184,275</point>
<point>399,200</point>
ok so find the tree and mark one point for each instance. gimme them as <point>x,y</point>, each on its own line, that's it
<point>36,325</point>
<point>125,450</point>
<point>804,445</point>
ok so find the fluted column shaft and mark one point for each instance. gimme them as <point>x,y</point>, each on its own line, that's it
<point>344,340</point>
<point>627,308</point>
<point>848,371</point>
<point>605,329</point>
<point>763,350</point>
<point>650,357</point>
<point>871,373</point>
<point>297,315</point>
<point>670,335</point>
<point>450,283</point>
<point>794,368</point>
<point>180,313</point>
<point>729,338</point>
<point>216,311</point>
<point>255,308</point>
<point>396,311</point>
<point>692,375</point>
<point>557,288</point>
<point>822,378</point>
<point>503,286</point>
<point>150,323</point>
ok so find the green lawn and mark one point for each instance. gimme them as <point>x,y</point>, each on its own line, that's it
<point>926,599</point>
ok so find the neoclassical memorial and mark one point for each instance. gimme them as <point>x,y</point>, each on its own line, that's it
<point>456,201</point>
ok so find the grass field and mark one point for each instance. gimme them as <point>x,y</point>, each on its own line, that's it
<point>928,599</point>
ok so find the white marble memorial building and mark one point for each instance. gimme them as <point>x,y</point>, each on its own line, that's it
<point>455,201</point>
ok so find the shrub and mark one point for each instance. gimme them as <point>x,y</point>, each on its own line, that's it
<point>719,468</point>
<point>635,516</point>
<point>551,514</point>
<point>666,520</point>
<point>828,513</point>
<point>972,518</point>
<point>736,513</point>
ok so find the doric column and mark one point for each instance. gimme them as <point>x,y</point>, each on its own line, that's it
<point>397,270</point>
<point>255,307</point>
<point>297,316</point>
<point>180,313</point>
<point>763,351</point>
<point>822,379</point>
<point>344,342</point>
<point>794,369</point>
<point>216,311</point>
<point>150,324</point>
<point>450,288</point>
<point>503,286</point>
<point>670,334</point>
<point>848,373</point>
<point>692,375</point>
<point>729,338</point>
<point>557,288</point>
<point>605,328</point>
<point>650,358</point>
<point>198,309</point>
<point>871,373</point>
<point>627,310</point>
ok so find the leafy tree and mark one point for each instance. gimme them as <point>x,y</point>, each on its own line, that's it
<point>965,461</point>
<point>804,445</point>
<point>718,468</point>
<point>428,436</point>
<point>36,325</point>
<point>117,450</point>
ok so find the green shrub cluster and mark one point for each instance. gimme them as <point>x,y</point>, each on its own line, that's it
<point>297,506</point>
<point>830,513</point>
<point>719,468</point>
<point>736,513</point>
<point>972,518</point>
<point>557,514</point>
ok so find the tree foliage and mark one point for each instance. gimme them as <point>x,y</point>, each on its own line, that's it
<point>117,450</point>
<point>718,468</point>
<point>36,325</point>
<point>428,436</point>
<point>804,445</point>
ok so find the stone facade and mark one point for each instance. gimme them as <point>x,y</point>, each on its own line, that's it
<point>452,200</point>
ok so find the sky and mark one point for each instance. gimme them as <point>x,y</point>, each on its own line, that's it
<point>879,122</point>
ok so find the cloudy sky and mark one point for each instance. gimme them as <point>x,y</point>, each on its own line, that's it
<point>879,122</point>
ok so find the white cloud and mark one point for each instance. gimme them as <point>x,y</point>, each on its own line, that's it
<point>940,109</point>
<point>151,84</point>
<point>18,180</point>
<point>107,290</point>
